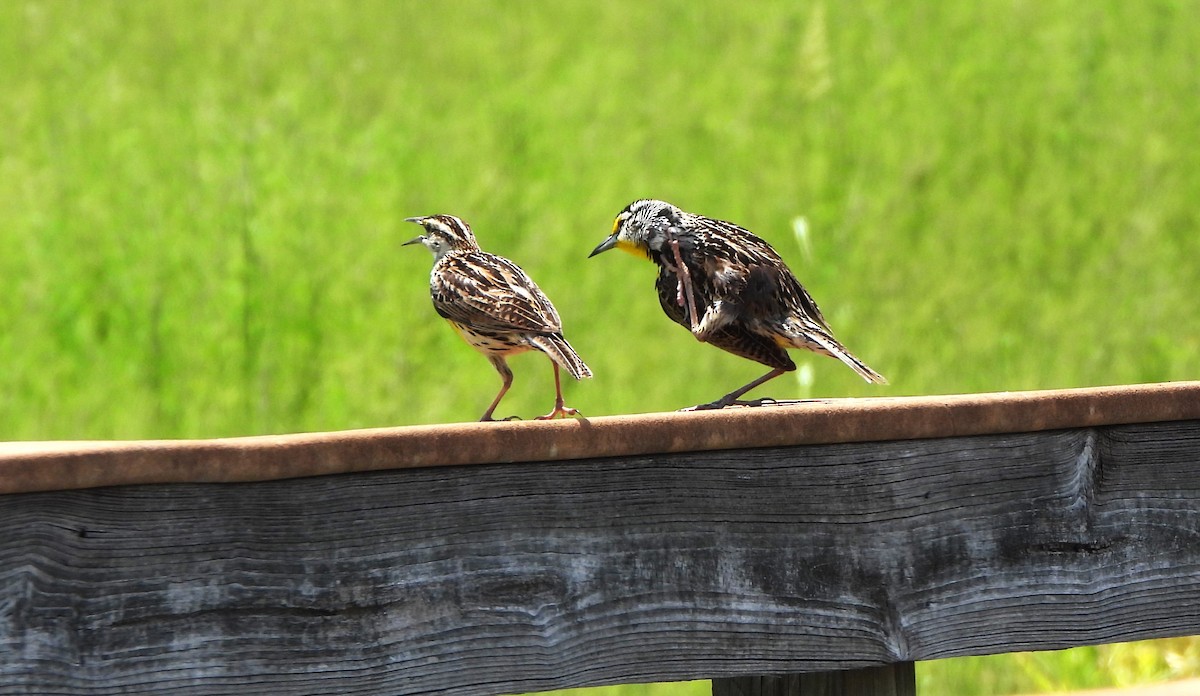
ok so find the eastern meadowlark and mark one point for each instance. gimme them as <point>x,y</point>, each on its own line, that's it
<point>729,288</point>
<point>494,306</point>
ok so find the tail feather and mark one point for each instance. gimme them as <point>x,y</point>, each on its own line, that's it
<point>839,351</point>
<point>562,353</point>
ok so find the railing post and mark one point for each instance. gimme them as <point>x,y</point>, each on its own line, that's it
<point>899,679</point>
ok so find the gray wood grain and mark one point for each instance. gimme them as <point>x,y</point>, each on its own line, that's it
<point>520,577</point>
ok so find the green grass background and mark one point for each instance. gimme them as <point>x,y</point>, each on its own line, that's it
<point>201,206</point>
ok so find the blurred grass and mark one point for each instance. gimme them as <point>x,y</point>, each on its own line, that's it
<point>203,201</point>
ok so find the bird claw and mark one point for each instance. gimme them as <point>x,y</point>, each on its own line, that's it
<point>723,403</point>
<point>560,411</point>
<point>764,401</point>
<point>489,419</point>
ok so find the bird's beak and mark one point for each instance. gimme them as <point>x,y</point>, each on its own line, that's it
<point>417,239</point>
<point>607,244</point>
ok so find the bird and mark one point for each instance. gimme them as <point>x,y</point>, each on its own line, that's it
<point>494,305</point>
<point>730,288</point>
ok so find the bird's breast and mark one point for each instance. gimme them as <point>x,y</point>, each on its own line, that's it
<point>490,342</point>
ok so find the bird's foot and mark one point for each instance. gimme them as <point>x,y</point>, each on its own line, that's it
<point>489,419</point>
<point>726,402</point>
<point>560,411</point>
<point>764,401</point>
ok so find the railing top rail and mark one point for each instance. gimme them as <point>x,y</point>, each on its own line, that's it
<point>64,465</point>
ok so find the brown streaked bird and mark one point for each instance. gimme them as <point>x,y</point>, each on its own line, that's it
<point>729,288</point>
<point>494,305</point>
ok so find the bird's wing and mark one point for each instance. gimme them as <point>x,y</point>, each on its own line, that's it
<point>490,292</point>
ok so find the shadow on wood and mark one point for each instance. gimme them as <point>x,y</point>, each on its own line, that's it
<point>898,679</point>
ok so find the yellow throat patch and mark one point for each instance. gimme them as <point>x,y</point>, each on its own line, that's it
<point>635,249</point>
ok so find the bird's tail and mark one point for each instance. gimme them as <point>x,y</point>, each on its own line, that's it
<point>562,353</point>
<point>837,350</point>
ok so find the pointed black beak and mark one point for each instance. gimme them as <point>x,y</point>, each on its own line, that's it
<point>607,244</point>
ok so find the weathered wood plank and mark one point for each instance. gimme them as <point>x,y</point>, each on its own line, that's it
<point>521,577</point>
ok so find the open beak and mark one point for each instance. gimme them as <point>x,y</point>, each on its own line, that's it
<point>414,240</point>
<point>607,244</point>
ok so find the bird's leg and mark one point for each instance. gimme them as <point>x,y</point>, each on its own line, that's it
<point>715,316</point>
<point>732,397</point>
<point>559,409</point>
<point>684,295</point>
<point>506,374</point>
<point>674,268</point>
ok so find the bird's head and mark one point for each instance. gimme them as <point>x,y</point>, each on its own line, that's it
<point>642,227</point>
<point>443,234</point>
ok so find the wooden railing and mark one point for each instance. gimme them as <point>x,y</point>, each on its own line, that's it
<point>801,541</point>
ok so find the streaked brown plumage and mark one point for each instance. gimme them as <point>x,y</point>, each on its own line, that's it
<point>746,300</point>
<point>494,305</point>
